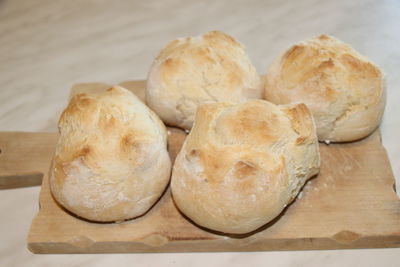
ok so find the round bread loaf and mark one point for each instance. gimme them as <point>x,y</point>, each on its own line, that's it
<point>191,71</point>
<point>111,161</point>
<point>343,89</point>
<point>242,164</point>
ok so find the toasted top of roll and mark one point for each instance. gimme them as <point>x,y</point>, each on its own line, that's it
<point>111,161</point>
<point>191,71</point>
<point>243,163</point>
<point>344,90</point>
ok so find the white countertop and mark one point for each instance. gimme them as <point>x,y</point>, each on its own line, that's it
<point>47,46</point>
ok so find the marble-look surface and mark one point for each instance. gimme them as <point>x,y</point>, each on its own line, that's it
<point>46,46</point>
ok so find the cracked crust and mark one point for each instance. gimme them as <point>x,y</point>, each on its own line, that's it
<point>243,163</point>
<point>192,71</point>
<point>111,161</point>
<point>343,89</point>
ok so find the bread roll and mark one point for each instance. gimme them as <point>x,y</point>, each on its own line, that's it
<point>243,163</point>
<point>191,71</point>
<point>111,161</point>
<point>344,90</point>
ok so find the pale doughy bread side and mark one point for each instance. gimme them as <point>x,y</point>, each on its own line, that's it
<point>191,71</point>
<point>344,90</point>
<point>242,164</point>
<point>111,161</point>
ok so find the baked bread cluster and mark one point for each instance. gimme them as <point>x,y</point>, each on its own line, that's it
<point>245,158</point>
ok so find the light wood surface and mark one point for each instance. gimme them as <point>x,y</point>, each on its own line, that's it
<point>23,158</point>
<point>46,46</point>
<point>350,204</point>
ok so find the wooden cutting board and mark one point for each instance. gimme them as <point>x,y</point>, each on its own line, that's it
<point>350,204</point>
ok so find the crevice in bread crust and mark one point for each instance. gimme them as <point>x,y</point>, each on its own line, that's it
<point>345,114</point>
<point>205,89</point>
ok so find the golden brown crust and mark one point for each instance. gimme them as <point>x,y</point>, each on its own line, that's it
<point>243,163</point>
<point>343,89</point>
<point>191,71</point>
<point>299,116</point>
<point>111,161</point>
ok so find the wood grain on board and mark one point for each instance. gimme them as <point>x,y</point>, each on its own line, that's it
<point>24,157</point>
<point>350,204</point>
